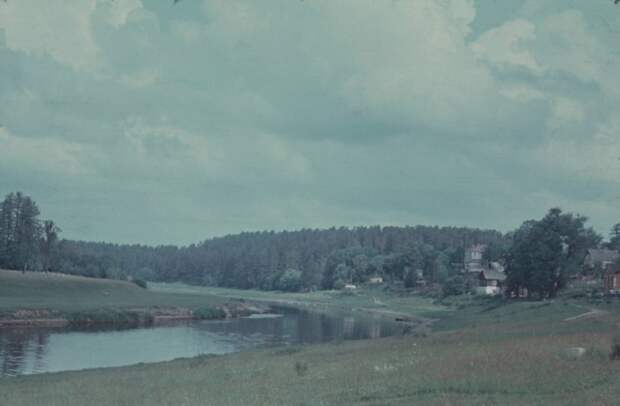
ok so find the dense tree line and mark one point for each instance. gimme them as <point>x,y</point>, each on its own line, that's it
<point>265,260</point>
<point>287,260</point>
<point>539,256</point>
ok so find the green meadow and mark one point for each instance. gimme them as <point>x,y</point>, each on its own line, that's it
<point>36,295</point>
<point>477,352</point>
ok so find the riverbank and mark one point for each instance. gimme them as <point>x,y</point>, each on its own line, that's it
<point>35,299</point>
<point>477,351</point>
<point>371,299</point>
<point>520,353</point>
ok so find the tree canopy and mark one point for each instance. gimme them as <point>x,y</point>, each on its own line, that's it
<point>546,252</point>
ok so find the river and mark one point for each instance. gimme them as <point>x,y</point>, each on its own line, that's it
<point>37,350</point>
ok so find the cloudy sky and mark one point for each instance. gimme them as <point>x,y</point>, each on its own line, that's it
<point>144,121</point>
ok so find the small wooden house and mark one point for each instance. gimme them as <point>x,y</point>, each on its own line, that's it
<point>490,282</point>
<point>603,258</point>
<point>611,279</point>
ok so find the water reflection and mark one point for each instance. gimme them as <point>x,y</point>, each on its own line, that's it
<point>28,351</point>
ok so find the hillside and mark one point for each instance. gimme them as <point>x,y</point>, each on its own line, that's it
<point>38,297</point>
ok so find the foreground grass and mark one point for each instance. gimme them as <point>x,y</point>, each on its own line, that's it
<point>483,351</point>
<point>521,362</point>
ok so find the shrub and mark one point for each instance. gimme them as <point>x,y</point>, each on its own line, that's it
<point>109,316</point>
<point>454,286</point>
<point>339,284</point>
<point>301,368</point>
<point>209,313</point>
<point>289,281</point>
<point>615,347</point>
<point>140,282</point>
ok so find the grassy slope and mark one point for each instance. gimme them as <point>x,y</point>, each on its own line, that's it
<point>66,293</point>
<point>481,354</point>
<point>369,299</point>
<point>492,361</point>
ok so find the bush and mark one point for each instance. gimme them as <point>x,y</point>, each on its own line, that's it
<point>454,286</point>
<point>301,368</point>
<point>140,282</point>
<point>209,313</point>
<point>289,281</point>
<point>110,316</point>
<point>615,347</point>
<point>339,284</point>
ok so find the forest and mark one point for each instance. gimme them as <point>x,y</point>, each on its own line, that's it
<point>306,259</point>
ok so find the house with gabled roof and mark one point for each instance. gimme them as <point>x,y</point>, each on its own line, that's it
<point>490,282</point>
<point>602,258</point>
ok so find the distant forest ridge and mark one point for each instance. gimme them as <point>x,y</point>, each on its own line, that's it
<point>539,256</point>
<point>287,260</point>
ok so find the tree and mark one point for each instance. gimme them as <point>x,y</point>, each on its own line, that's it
<point>20,232</point>
<point>49,243</point>
<point>7,228</point>
<point>494,252</point>
<point>290,281</point>
<point>614,237</point>
<point>454,286</point>
<point>28,232</point>
<point>545,252</point>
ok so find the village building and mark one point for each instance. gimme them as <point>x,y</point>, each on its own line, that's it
<point>611,279</point>
<point>602,258</point>
<point>375,279</point>
<point>473,258</point>
<point>490,282</point>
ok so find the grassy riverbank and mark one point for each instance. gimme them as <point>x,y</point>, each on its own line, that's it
<point>54,299</point>
<point>369,299</point>
<point>514,354</point>
<point>480,352</point>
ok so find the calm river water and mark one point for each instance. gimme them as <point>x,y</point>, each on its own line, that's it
<point>34,350</point>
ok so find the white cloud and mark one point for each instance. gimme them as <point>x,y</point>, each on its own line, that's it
<point>117,12</point>
<point>596,158</point>
<point>508,46</point>
<point>413,66</point>
<point>44,155</point>
<point>189,31</point>
<point>463,12</point>
<point>568,46</point>
<point>565,112</point>
<point>143,78</point>
<point>59,28</point>
<point>327,106</point>
<point>522,93</point>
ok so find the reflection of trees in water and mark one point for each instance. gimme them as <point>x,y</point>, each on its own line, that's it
<point>17,345</point>
<point>348,326</point>
<point>41,345</point>
<point>269,329</point>
<point>305,327</point>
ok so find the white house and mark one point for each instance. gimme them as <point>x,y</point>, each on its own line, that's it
<point>375,279</point>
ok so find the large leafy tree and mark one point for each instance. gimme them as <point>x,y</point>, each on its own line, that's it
<point>545,252</point>
<point>49,244</point>
<point>20,232</point>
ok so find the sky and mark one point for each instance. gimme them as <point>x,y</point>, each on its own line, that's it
<point>140,121</point>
